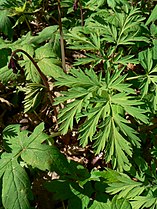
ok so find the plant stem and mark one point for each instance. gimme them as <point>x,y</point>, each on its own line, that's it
<point>54,134</point>
<point>135,77</point>
<point>28,25</point>
<point>61,37</point>
<point>63,205</point>
<point>43,77</point>
<point>81,12</point>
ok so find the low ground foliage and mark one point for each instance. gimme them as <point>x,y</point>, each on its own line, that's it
<point>78,102</point>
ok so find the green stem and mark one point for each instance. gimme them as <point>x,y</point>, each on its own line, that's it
<point>135,77</point>
<point>54,134</point>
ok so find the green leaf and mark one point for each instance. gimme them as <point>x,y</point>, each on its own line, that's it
<point>82,196</point>
<point>111,3</point>
<point>34,153</point>
<point>120,203</point>
<point>45,157</point>
<point>127,59</point>
<point>88,129</point>
<point>4,53</point>
<point>154,49</point>
<point>20,9</point>
<point>46,34</point>
<point>19,141</point>
<point>29,49</point>
<point>103,108</point>
<point>5,23</point>
<point>70,95</point>
<point>121,27</point>
<point>48,62</point>
<point>33,96</point>
<point>100,205</point>
<point>71,110</point>
<point>93,59</point>
<point>102,137</point>
<point>153,30</point>
<point>7,75</point>
<point>118,148</point>
<point>11,138</point>
<point>48,67</point>
<point>83,38</point>
<point>152,17</point>
<point>79,78</point>
<point>148,201</point>
<point>122,185</point>
<point>94,4</point>
<point>67,190</point>
<point>137,113</point>
<point>45,51</point>
<point>60,188</point>
<point>145,58</point>
<point>16,187</point>
<point>4,161</point>
<point>31,72</point>
<point>123,125</point>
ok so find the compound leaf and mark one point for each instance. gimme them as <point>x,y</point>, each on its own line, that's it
<point>152,17</point>
<point>46,157</point>
<point>34,153</point>
<point>31,72</point>
<point>49,67</point>
<point>7,75</point>
<point>122,185</point>
<point>33,95</point>
<point>148,201</point>
<point>120,203</point>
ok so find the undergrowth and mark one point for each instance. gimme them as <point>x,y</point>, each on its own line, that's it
<point>78,103</point>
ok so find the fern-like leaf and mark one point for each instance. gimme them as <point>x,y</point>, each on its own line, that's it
<point>102,102</point>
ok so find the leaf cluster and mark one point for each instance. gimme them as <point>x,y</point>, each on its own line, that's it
<point>106,102</point>
<point>23,149</point>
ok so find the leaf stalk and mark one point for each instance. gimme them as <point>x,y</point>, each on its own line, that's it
<point>43,77</point>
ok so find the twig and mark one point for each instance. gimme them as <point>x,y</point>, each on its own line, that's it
<point>81,12</point>
<point>61,37</point>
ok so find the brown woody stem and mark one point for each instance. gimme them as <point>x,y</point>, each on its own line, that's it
<point>43,77</point>
<point>61,36</point>
<point>81,12</point>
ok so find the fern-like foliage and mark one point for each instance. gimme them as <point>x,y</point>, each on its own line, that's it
<point>102,102</point>
<point>33,95</point>
<point>119,28</point>
<point>140,194</point>
<point>122,185</point>
<point>106,34</point>
<point>148,81</point>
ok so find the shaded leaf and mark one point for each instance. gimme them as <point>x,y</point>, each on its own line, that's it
<point>5,23</point>
<point>7,75</point>
<point>16,187</point>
